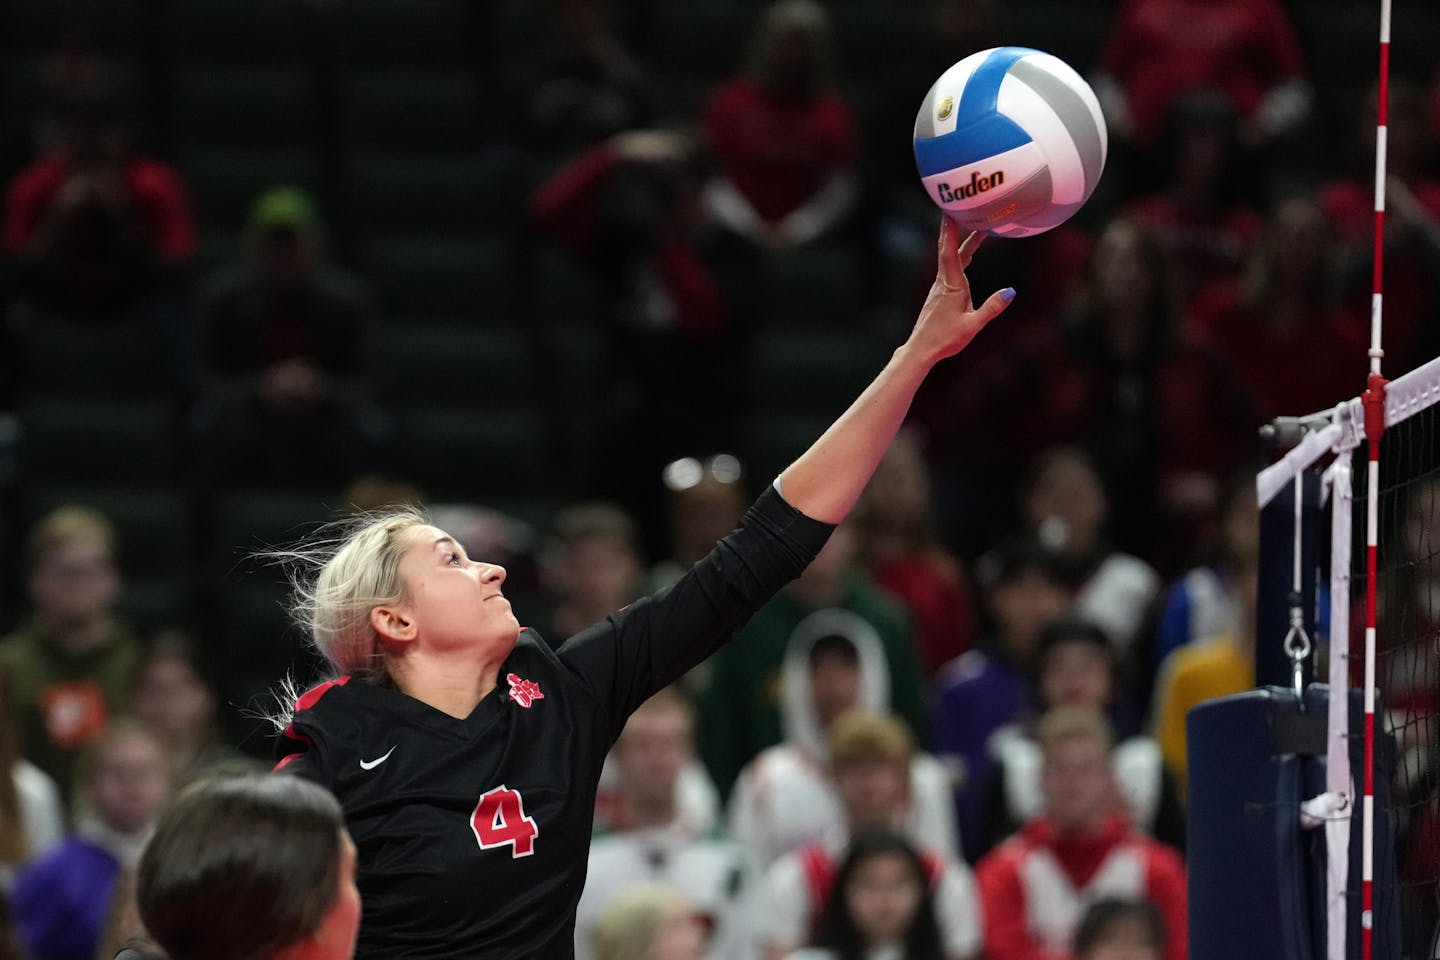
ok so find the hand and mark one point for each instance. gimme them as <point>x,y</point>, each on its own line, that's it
<point>949,319</point>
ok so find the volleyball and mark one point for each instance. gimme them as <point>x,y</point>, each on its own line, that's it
<point>1010,141</point>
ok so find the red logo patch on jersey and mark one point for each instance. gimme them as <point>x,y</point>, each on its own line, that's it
<point>524,692</point>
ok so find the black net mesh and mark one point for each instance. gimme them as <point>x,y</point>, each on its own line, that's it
<point>1407,668</point>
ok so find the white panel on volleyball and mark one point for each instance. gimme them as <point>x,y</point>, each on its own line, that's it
<point>1067,169</point>
<point>978,179</point>
<point>1014,231</point>
<point>1075,83</point>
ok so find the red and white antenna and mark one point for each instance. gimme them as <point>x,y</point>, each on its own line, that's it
<point>1374,401</point>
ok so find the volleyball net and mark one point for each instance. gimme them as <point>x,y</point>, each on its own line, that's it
<point>1403,583</point>
<point>1353,511</point>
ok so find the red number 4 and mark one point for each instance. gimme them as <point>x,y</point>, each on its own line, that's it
<point>499,820</point>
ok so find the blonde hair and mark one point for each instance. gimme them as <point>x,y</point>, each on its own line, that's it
<point>339,579</point>
<point>1074,723</point>
<point>65,525</point>
<point>627,930</point>
<point>864,737</point>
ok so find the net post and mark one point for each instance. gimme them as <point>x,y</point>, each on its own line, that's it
<point>1339,780</point>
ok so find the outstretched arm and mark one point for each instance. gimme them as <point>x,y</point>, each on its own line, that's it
<point>652,642</point>
<point>826,480</point>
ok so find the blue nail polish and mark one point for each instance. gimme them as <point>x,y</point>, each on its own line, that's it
<point>1007,294</point>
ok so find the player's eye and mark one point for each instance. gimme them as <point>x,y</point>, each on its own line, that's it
<point>455,559</point>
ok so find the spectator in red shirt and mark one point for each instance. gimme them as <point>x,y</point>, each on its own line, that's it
<point>1296,342</point>
<point>1035,887</point>
<point>1203,211</point>
<point>674,292</point>
<point>1160,413</point>
<point>95,226</point>
<point>1159,50</point>
<point>784,141</point>
<point>899,543</point>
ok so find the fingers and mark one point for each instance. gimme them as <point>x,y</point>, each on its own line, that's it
<point>994,305</point>
<point>968,248</point>
<point>950,271</point>
<point>955,257</point>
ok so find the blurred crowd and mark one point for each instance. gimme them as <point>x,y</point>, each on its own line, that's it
<point>579,277</point>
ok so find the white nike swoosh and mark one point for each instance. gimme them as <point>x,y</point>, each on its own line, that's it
<point>372,764</point>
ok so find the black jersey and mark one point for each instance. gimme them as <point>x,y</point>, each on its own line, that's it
<point>473,834</point>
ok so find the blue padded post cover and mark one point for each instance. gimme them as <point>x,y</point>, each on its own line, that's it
<point>1247,864</point>
<point>1256,878</point>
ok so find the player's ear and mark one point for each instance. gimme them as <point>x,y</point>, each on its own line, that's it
<point>393,623</point>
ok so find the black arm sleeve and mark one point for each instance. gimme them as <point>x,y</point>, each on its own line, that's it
<point>651,643</point>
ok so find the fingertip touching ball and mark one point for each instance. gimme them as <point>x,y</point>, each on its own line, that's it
<point>1010,141</point>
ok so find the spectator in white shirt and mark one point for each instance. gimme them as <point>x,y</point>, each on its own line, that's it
<point>648,839</point>
<point>785,798</point>
<point>870,763</point>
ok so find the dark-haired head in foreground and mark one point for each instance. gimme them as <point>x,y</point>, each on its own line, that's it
<point>251,867</point>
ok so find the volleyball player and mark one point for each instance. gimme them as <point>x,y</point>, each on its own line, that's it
<point>466,752</point>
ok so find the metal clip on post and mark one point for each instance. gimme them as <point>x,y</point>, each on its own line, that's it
<point>1297,646</point>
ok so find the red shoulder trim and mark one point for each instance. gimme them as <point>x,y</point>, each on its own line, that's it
<point>312,696</point>
<point>285,761</point>
<point>305,701</point>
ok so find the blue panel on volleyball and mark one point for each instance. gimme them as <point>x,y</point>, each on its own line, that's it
<point>980,129</point>
<point>1248,884</point>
